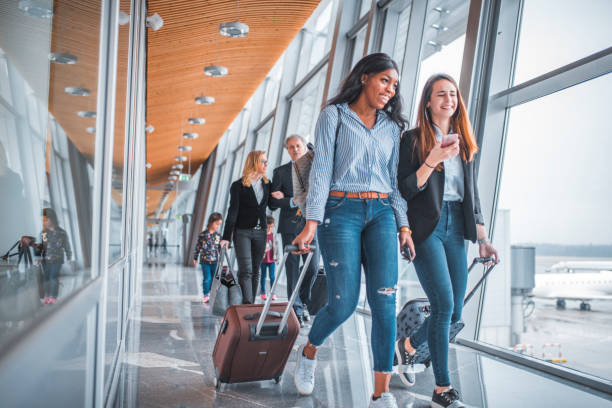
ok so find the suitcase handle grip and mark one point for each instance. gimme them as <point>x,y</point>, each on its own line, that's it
<point>296,290</point>
<point>289,248</point>
<point>254,316</point>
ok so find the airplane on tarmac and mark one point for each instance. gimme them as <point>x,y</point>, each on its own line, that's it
<point>581,286</point>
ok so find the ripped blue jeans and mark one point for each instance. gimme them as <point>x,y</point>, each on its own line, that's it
<point>356,232</point>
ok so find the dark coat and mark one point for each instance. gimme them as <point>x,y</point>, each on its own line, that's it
<point>282,181</point>
<point>244,211</point>
<point>425,205</point>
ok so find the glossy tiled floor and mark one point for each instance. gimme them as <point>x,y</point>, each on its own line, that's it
<point>168,363</point>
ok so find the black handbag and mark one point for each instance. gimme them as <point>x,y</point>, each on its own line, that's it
<point>224,291</point>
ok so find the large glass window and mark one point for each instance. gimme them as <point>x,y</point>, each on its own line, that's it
<point>399,11</point>
<point>316,38</point>
<point>556,32</point>
<point>305,109</point>
<point>116,233</point>
<point>357,48</point>
<point>262,138</point>
<point>553,232</point>
<point>48,76</point>
<point>443,41</point>
<point>272,86</point>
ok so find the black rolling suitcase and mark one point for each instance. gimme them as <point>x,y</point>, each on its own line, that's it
<point>255,341</point>
<point>318,294</point>
<point>415,311</point>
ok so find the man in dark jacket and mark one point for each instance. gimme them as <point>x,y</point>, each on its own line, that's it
<point>290,224</point>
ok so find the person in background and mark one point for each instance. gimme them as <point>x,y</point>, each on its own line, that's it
<point>271,257</point>
<point>52,247</point>
<point>437,178</point>
<point>354,205</point>
<point>246,222</point>
<point>290,224</point>
<point>208,249</point>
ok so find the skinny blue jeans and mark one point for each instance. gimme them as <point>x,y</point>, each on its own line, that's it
<point>358,232</point>
<point>208,271</point>
<point>270,268</point>
<point>441,265</point>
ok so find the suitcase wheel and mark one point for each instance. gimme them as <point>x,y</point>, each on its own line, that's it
<point>277,379</point>
<point>216,381</point>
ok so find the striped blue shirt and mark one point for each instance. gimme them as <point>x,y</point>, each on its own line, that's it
<point>365,160</point>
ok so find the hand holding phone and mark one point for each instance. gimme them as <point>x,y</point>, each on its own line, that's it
<point>406,254</point>
<point>449,139</point>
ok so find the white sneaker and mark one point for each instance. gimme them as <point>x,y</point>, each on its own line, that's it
<point>386,400</point>
<point>304,373</point>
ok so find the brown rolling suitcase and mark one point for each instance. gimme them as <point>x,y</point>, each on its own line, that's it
<point>255,341</point>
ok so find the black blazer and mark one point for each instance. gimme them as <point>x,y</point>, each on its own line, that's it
<point>425,206</point>
<point>244,210</point>
<point>282,181</point>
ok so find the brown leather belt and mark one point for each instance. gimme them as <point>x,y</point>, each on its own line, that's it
<point>363,195</point>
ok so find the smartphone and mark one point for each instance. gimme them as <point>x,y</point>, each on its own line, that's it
<point>449,139</point>
<point>406,254</point>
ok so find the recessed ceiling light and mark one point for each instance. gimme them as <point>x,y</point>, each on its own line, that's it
<point>215,70</point>
<point>63,58</point>
<point>190,135</point>
<point>205,100</point>
<point>177,166</point>
<point>196,121</point>
<point>175,173</point>
<point>91,129</point>
<point>86,114</point>
<point>185,148</point>
<point>234,29</point>
<point>148,165</point>
<point>36,8</point>
<point>180,158</point>
<point>73,90</point>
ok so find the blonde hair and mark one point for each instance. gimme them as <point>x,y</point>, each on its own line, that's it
<point>250,167</point>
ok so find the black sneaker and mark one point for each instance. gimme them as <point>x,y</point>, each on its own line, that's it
<point>300,321</point>
<point>447,399</point>
<point>306,316</point>
<point>405,365</point>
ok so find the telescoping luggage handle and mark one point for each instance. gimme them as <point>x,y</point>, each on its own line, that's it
<point>296,290</point>
<point>482,278</point>
<point>217,277</point>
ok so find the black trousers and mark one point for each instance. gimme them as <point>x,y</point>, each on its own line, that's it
<point>250,247</point>
<point>292,266</point>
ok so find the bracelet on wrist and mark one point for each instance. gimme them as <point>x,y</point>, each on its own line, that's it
<point>483,241</point>
<point>431,167</point>
<point>406,229</point>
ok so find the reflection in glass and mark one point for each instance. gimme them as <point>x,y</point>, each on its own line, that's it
<point>262,140</point>
<point>443,41</point>
<point>580,28</point>
<point>305,109</point>
<point>551,297</point>
<point>115,233</point>
<point>272,86</point>
<point>316,38</point>
<point>46,156</point>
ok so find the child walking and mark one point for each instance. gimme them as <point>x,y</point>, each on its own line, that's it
<point>270,258</point>
<point>208,250</point>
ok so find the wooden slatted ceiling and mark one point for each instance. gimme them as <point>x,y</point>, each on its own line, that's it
<point>190,40</point>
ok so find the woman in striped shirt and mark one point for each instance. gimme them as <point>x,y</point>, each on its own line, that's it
<point>354,205</point>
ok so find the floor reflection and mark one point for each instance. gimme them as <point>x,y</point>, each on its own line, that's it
<point>168,363</point>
